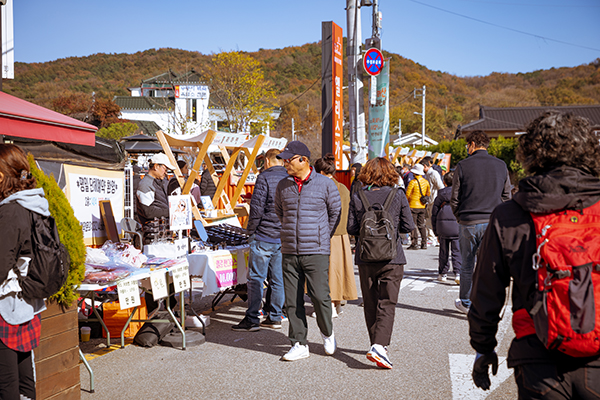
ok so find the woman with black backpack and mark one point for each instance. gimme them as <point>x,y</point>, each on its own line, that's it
<point>20,323</point>
<point>380,277</point>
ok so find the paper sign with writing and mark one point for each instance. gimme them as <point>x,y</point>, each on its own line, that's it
<point>158,281</point>
<point>181,278</point>
<point>226,270</point>
<point>129,294</point>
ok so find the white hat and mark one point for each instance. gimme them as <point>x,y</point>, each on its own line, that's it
<point>161,158</point>
<point>418,169</point>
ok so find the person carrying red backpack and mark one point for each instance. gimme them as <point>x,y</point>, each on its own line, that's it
<point>552,278</point>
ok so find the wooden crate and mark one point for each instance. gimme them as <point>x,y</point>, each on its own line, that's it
<point>57,356</point>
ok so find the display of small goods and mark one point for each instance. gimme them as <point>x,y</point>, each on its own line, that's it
<point>156,231</point>
<point>228,234</point>
<point>105,274</point>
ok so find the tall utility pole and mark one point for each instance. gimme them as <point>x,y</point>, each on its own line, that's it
<point>358,145</point>
<point>422,113</point>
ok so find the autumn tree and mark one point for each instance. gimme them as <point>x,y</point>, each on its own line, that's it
<point>238,84</point>
<point>117,130</point>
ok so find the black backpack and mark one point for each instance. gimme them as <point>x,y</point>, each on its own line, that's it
<point>378,237</point>
<point>50,261</point>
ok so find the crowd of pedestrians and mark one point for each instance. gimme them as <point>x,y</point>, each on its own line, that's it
<point>302,220</point>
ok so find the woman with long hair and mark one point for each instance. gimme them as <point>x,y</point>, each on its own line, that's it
<point>20,323</point>
<point>380,281</point>
<point>342,285</point>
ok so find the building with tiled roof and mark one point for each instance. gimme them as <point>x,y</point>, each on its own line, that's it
<point>511,121</point>
<point>177,103</point>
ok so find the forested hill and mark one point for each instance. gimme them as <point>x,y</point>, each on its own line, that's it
<point>295,75</point>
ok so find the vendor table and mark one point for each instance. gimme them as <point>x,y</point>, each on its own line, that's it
<point>221,270</point>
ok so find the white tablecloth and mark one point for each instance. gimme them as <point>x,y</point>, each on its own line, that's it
<point>220,269</point>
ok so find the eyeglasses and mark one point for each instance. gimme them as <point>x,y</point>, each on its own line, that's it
<point>291,159</point>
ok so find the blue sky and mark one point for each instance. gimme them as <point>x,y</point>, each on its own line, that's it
<point>462,37</point>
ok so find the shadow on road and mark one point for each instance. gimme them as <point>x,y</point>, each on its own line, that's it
<point>446,312</point>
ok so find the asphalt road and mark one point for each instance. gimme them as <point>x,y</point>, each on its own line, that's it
<point>430,351</point>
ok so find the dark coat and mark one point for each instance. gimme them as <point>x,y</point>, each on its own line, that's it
<point>263,221</point>
<point>443,220</point>
<point>399,211</point>
<point>480,183</point>
<point>15,237</point>
<point>207,185</point>
<point>506,251</point>
<point>308,218</point>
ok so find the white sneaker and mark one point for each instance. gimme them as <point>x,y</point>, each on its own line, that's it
<point>457,279</point>
<point>334,313</point>
<point>329,344</point>
<point>460,306</point>
<point>379,355</point>
<point>297,352</point>
<point>442,277</point>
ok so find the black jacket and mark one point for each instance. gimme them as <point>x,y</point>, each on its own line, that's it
<point>207,185</point>
<point>262,221</point>
<point>480,183</point>
<point>399,211</point>
<point>506,251</point>
<point>443,220</point>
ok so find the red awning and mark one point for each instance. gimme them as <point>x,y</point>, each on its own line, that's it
<point>27,120</point>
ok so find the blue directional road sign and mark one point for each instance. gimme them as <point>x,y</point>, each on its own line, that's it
<point>373,61</point>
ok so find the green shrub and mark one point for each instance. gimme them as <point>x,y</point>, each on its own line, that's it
<point>69,230</point>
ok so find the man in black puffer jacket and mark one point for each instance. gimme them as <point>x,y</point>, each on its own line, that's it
<point>446,230</point>
<point>564,157</point>
<point>265,250</point>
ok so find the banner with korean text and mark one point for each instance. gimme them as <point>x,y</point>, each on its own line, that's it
<point>84,190</point>
<point>379,115</point>
<point>332,109</point>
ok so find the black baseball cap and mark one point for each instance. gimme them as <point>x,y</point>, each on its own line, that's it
<point>294,148</point>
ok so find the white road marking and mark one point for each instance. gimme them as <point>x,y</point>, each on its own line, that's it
<point>461,366</point>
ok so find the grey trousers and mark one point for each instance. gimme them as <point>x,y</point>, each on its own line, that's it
<point>314,271</point>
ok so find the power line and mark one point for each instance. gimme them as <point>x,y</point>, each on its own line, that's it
<point>301,94</point>
<point>533,5</point>
<point>505,27</point>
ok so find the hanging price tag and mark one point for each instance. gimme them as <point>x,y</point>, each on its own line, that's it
<point>158,281</point>
<point>129,293</point>
<point>181,278</point>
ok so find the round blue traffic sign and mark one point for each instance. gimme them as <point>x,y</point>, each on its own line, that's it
<point>373,61</point>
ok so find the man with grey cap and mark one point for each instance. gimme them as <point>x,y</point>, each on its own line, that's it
<point>153,201</point>
<point>308,205</point>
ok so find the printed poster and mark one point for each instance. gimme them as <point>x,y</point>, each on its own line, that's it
<point>84,190</point>
<point>379,115</point>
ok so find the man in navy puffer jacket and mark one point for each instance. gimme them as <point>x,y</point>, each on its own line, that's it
<point>308,205</point>
<point>446,229</point>
<point>265,250</point>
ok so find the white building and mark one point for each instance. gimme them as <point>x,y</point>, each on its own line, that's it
<point>178,104</point>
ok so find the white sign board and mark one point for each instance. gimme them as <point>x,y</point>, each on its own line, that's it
<point>8,41</point>
<point>129,293</point>
<point>191,91</point>
<point>85,188</point>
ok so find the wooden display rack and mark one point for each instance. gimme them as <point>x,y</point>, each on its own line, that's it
<point>236,143</point>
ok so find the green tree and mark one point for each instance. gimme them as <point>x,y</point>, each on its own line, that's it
<point>240,88</point>
<point>117,130</point>
<point>69,231</point>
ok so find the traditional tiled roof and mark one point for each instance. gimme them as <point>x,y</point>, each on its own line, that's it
<point>170,78</point>
<point>143,103</point>
<point>515,119</point>
<point>147,128</point>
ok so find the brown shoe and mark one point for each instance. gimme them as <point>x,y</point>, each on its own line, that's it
<point>412,247</point>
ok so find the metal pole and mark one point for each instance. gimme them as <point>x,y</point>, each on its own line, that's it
<point>351,61</point>
<point>423,122</point>
<point>293,138</point>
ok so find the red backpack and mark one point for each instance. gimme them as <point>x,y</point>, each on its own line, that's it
<point>566,312</point>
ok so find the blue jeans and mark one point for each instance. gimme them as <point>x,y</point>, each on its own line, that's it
<point>469,238</point>
<point>265,258</point>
